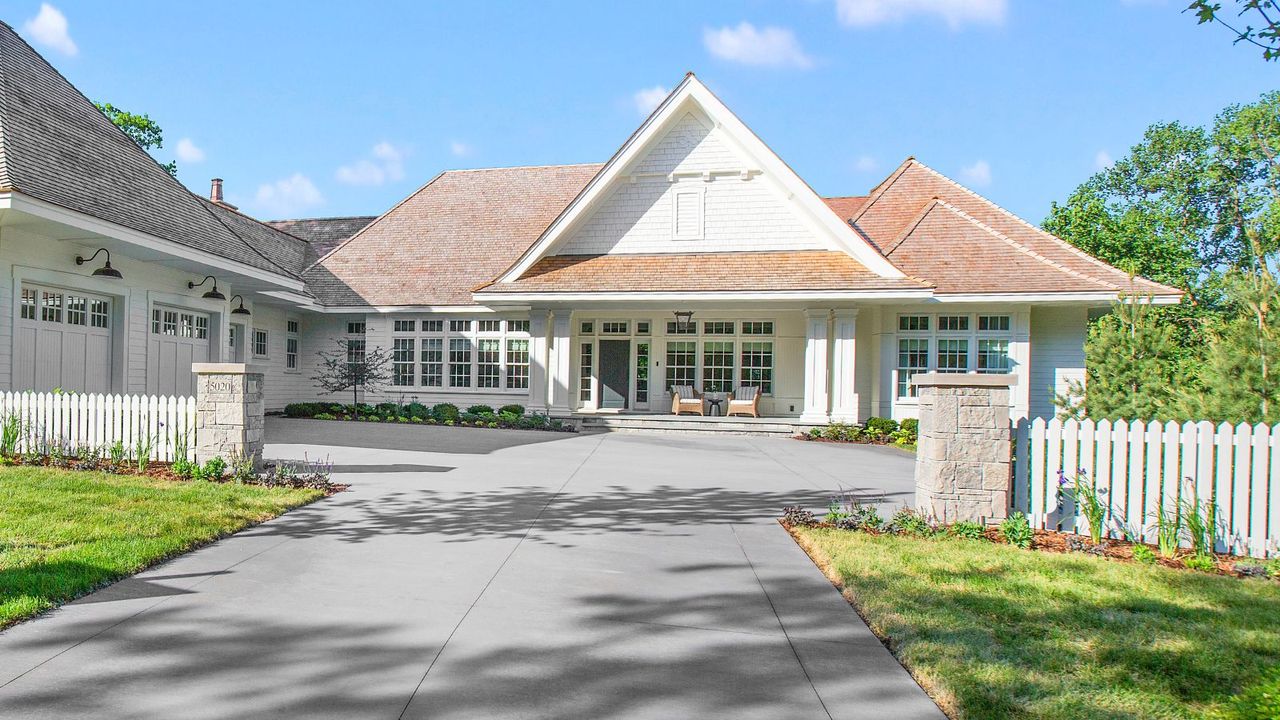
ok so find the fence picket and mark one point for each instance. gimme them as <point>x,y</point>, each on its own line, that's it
<point>1053,463</point>
<point>1224,456</point>
<point>1070,464</point>
<point>1257,537</point>
<point>1020,499</point>
<point>1037,511</point>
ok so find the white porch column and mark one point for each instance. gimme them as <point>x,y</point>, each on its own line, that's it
<point>815,367</point>
<point>561,359</point>
<point>844,395</point>
<point>539,361</point>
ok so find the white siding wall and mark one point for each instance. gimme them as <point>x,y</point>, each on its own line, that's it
<point>636,217</point>
<point>1057,354</point>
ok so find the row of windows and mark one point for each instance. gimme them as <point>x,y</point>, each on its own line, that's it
<point>721,365</point>
<point>55,307</point>
<point>470,363</point>
<point>455,326</point>
<point>176,323</point>
<point>708,327</point>
<point>951,344</point>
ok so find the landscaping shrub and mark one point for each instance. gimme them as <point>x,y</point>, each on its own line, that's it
<point>513,409</point>
<point>842,432</point>
<point>304,409</point>
<point>909,522</point>
<point>417,410</point>
<point>324,416</point>
<point>1017,531</point>
<point>508,419</point>
<point>1144,554</point>
<point>967,529</point>
<point>481,410</point>
<point>445,413</point>
<point>1200,562</point>
<point>907,434</point>
<point>879,428</point>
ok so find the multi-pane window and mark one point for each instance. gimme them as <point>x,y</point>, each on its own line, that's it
<point>586,369</point>
<point>517,364</point>
<point>460,326</point>
<point>914,323</point>
<point>757,366</point>
<point>404,325</point>
<point>28,304</point>
<point>291,326</point>
<point>51,306</point>
<point>682,363</point>
<point>953,323</point>
<point>202,327</point>
<point>355,351</point>
<point>291,353</point>
<point>489,326</point>
<point>460,362</point>
<point>170,324</point>
<point>642,371</point>
<point>100,314</point>
<point>518,326</point>
<point>488,362</point>
<point>993,323</point>
<point>757,327</point>
<point>432,326</point>
<point>402,361</point>
<point>259,343</point>
<point>681,328</point>
<point>913,357</point>
<point>953,355</point>
<point>642,327</point>
<point>432,362</point>
<point>717,327</point>
<point>717,366</point>
<point>993,355</point>
<point>77,310</point>
<point>615,327</point>
<point>356,327</point>
<point>187,329</point>
<point>587,328</point>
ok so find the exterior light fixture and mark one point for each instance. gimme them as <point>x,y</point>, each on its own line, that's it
<point>683,319</point>
<point>212,294</point>
<point>240,310</point>
<point>105,271</point>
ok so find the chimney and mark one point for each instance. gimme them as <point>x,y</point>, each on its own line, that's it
<point>215,192</point>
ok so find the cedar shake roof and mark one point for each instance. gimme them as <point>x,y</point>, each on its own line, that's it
<point>846,207</point>
<point>702,272</point>
<point>323,234</point>
<point>460,230</point>
<point>57,147</point>
<point>932,227</point>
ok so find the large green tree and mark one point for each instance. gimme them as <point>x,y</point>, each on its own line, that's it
<point>141,128</point>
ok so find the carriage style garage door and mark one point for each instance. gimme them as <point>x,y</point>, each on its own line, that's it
<point>178,338</point>
<point>63,340</point>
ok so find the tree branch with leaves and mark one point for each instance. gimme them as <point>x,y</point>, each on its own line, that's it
<point>352,367</point>
<point>1265,36</point>
<point>140,128</point>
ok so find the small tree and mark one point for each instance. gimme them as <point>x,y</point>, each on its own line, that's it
<point>352,367</point>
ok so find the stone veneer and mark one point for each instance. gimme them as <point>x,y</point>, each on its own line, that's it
<point>963,453</point>
<point>229,411</point>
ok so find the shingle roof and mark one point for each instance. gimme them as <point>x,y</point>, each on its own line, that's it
<point>57,147</point>
<point>458,231</point>
<point>702,272</point>
<point>284,250</point>
<point>967,244</point>
<point>323,234</point>
<point>846,207</point>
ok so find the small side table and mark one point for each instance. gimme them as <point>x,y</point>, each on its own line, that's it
<point>714,401</point>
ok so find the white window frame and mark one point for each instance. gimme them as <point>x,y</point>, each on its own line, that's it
<point>292,345</point>
<point>934,335</point>
<point>266,343</point>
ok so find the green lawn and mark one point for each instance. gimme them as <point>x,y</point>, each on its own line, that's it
<point>65,533</point>
<point>993,631</point>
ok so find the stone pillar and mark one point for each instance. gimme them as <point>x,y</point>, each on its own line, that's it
<point>963,455</point>
<point>815,367</point>
<point>539,362</point>
<point>560,364</point>
<point>844,395</point>
<point>229,411</point>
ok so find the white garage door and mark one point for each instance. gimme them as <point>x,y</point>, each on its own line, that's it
<point>63,341</point>
<point>178,338</point>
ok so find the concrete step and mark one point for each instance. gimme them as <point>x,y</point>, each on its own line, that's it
<point>779,427</point>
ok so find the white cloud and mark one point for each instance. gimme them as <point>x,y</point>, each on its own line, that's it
<point>866,164</point>
<point>864,13</point>
<point>459,148</point>
<point>769,46</point>
<point>188,152</point>
<point>978,173</point>
<point>647,99</point>
<point>287,197</point>
<point>1102,160</point>
<point>49,28</point>
<point>384,164</point>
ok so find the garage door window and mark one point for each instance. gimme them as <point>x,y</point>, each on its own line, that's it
<point>51,306</point>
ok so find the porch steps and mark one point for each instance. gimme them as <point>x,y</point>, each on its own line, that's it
<point>776,427</point>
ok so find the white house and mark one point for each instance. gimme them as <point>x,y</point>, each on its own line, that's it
<point>695,256</point>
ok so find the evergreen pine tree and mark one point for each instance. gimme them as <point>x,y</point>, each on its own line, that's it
<point>1239,379</point>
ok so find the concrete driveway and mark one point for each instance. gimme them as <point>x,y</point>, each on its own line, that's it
<point>491,574</point>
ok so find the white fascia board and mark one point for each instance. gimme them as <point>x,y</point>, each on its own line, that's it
<point>97,226</point>
<point>505,297</point>
<point>1066,297</point>
<point>394,309</point>
<point>794,188</point>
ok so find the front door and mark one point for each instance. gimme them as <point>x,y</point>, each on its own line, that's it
<point>615,373</point>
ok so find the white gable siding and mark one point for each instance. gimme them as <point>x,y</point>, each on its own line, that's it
<point>1057,354</point>
<point>637,215</point>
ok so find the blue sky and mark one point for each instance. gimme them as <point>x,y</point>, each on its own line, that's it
<point>318,109</point>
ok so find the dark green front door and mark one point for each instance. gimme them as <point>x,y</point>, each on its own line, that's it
<point>615,373</point>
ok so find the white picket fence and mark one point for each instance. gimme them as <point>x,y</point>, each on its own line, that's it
<point>74,420</point>
<point>1143,467</point>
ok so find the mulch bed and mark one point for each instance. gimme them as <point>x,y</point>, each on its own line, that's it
<point>158,469</point>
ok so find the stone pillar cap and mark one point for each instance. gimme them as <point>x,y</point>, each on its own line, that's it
<point>227,369</point>
<point>936,379</point>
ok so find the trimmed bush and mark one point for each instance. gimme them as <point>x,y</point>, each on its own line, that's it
<point>417,410</point>
<point>880,428</point>
<point>513,409</point>
<point>1017,531</point>
<point>445,413</point>
<point>480,410</point>
<point>305,409</point>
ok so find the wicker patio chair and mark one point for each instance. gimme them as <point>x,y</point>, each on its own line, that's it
<point>745,400</point>
<point>684,399</point>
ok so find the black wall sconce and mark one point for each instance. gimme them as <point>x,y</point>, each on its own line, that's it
<point>212,294</point>
<point>240,310</point>
<point>105,271</point>
<point>684,318</point>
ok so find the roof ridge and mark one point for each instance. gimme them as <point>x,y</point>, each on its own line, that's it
<point>205,203</point>
<point>376,220</point>
<point>5,180</point>
<point>878,191</point>
<point>1040,231</point>
<point>519,167</point>
<point>1024,249</point>
<point>314,219</point>
<point>911,225</point>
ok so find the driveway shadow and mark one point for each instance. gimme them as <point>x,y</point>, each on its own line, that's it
<point>395,436</point>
